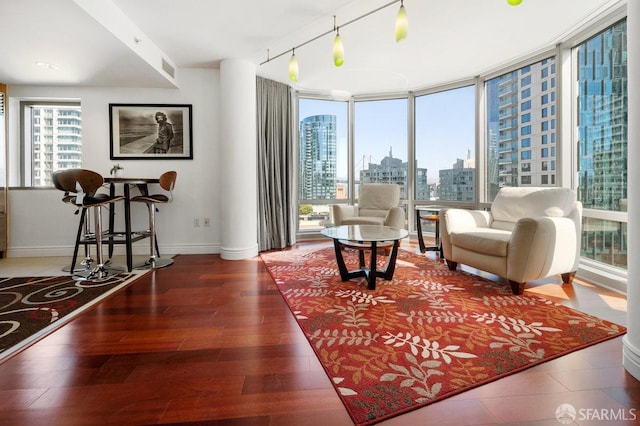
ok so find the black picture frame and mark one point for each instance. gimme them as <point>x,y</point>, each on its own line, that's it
<point>136,135</point>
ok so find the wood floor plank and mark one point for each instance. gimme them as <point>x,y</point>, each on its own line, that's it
<point>209,340</point>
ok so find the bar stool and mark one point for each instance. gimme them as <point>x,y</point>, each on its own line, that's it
<point>167,182</point>
<point>85,184</point>
<point>84,227</point>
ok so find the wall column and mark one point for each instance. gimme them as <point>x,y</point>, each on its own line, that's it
<point>631,341</point>
<point>238,189</point>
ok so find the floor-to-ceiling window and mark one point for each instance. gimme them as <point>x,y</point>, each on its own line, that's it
<point>322,169</point>
<point>381,143</point>
<point>601,73</point>
<point>519,138</point>
<point>445,145</point>
<point>520,130</point>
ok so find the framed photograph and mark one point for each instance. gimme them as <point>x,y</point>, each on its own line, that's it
<point>150,132</point>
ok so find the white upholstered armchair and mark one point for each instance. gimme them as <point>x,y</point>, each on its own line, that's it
<point>529,234</point>
<point>377,205</point>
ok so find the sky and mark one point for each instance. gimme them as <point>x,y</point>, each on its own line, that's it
<point>445,129</point>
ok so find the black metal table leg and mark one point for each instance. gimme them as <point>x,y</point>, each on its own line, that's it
<point>112,215</point>
<point>127,226</point>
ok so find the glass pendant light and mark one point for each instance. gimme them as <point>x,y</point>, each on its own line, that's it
<point>401,31</point>
<point>402,23</point>
<point>514,2</point>
<point>293,66</point>
<point>338,49</point>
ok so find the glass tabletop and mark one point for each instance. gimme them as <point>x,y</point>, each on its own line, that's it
<point>131,180</point>
<point>365,233</point>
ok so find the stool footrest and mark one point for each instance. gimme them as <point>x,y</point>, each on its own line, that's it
<point>115,237</point>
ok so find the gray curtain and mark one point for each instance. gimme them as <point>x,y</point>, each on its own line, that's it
<point>277,212</point>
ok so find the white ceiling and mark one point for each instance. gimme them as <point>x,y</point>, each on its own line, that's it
<point>449,40</point>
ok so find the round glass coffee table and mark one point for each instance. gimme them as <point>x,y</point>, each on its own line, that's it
<point>366,238</point>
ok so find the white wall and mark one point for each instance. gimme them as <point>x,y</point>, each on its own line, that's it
<point>41,225</point>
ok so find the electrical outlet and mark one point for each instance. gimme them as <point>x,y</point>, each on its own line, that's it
<point>196,222</point>
<point>206,221</point>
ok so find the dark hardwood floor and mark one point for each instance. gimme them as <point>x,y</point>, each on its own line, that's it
<point>208,341</point>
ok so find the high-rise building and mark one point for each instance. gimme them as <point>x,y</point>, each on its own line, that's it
<point>492,160</point>
<point>458,183</point>
<point>318,164</point>
<point>602,129</point>
<point>394,170</point>
<point>522,114</point>
<point>602,142</point>
<point>56,141</point>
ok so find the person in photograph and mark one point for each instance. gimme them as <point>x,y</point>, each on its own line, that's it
<point>165,134</point>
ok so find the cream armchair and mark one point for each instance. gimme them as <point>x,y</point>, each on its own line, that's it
<point>377,205</point>
<point>529,234</point>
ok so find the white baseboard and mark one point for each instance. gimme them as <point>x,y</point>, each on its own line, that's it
<point>67,251</point>
<point>239,253</point>
<point>611,278</point>
<point>630,357</point>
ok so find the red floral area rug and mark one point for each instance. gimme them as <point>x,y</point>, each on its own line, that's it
<point>426,335</point>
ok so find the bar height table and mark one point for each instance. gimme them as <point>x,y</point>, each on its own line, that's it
<point>129,238</point>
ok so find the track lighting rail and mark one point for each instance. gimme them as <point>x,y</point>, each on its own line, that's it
<point>332,30</point>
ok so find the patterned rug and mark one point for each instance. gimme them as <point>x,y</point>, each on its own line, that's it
<point>31,308</point>
<point>426,335</point>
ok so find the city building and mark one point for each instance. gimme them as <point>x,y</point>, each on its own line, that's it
<point>458,183</point>
<point>394,170</point>
<point>317,173</point>
<point>603,132</point>
<point>56,140</point>
<point>524,118</point>
<point>602,142</point>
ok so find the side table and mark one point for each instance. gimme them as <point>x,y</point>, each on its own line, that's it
<point>429,214</point>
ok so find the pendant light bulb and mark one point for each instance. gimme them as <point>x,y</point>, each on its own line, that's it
<point>402,23</point>
<point>514,2</point>
<point>293,67</point>
<point>338,50</point>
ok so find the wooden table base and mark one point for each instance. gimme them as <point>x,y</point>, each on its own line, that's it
<point>370,273</point>
<point>435,218</point>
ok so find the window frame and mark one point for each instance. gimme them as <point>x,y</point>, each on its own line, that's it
<point>564,165</point>
<point>305,234</point>
<point>606,275</point>
<point>26,152</point>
